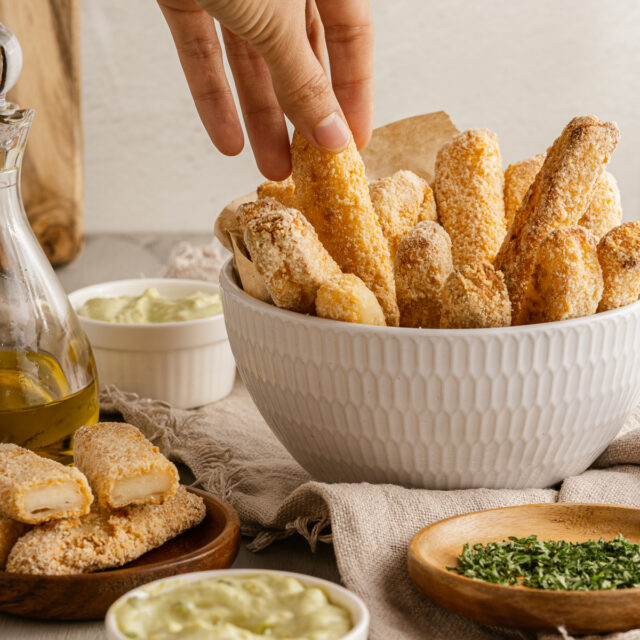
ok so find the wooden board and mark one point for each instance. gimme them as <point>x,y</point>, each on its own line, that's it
<point>49,33</point>
<point>439,545</point>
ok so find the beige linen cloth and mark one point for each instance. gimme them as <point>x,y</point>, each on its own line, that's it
<point>232,453</point>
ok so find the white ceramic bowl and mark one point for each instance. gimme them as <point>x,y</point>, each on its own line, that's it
<point>444,409</point>
<point>337,594</point>
<point>187,364</point>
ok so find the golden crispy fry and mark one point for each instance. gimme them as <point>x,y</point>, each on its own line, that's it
<point>619,256</point>
<point>104,539</point>
<point>333,194</point>
<point>122,466</point>
<point>475,297</point>
<point>345,297</point>
<point>517,179</point>
<point>35,489</point>
<point>567,279</point>
<point>284,192</point>
<point>423,263</point>
<point>558,198</point>
<point>400,202</point>
<point>287,253</point>
<point>10,531</point>
<point>605,211</point>
<point>470,195</point>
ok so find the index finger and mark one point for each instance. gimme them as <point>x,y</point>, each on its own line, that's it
<point>348,29</point>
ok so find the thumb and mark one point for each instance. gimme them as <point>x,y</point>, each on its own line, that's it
<point>303,89</point>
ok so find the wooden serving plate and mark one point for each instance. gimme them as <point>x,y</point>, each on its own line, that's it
<point>213,544</point>
<point>440,544</point>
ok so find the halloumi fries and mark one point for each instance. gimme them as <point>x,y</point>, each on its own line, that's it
<point>122,466</point>
<point>470,196</point>
<point>423,263</point>
<point>475,297</point>
<point>332,192</point>
<point>35,489</point>
<point>619,256</point>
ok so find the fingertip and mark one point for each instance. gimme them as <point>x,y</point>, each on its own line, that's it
<point>362,137</point>
<point>332,133</point>
<point>275,168</point>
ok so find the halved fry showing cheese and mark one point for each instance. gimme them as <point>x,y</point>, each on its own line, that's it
<point>35,489</point>
<point>122,466</point>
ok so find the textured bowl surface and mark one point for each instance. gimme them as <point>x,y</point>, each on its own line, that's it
<point>444,409</point>
<point>337,594</point>
<point>187,364</point>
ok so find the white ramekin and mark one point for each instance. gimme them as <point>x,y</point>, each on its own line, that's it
<point>337,594</point>
<point>437,408</point>
<point>187,364</point>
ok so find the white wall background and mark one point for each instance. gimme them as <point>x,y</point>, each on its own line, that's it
<point>520,67</point>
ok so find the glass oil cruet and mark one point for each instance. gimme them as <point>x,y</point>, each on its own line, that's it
<point>48,383</point>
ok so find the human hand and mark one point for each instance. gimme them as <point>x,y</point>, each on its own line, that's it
<point>275,49</point>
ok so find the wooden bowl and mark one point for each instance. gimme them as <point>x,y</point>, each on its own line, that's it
<point>213,544</point>
<point>440,544</point>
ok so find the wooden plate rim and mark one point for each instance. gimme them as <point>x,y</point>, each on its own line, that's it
<point>413,556</point>
<point>232,524</point>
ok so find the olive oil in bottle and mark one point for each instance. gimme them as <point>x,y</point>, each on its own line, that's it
<point>48,382</point>
<point>38,409</point>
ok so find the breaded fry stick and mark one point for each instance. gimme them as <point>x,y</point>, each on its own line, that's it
<point>517,179</point>
<point>423,263</point>
<point>470,195</point>
<point>122,466</point>
<point>345,297</point>
<point>619,256</point>
<point>284,192</point>
<point>104,539</point>
<point>605,211</point>
<point>558,198</point>
<point>475,297</point>
<point>400,202</point>
<point>287,253</point>
<point>10,531</point>
<point>567,281</point>
<point>35,489</point>
<point>333,194</point>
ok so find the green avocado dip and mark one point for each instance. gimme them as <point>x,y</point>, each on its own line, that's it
<point>151,307</point>
<point>246,607</point>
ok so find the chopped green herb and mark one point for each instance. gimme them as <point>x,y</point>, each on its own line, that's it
<point>553,564</point>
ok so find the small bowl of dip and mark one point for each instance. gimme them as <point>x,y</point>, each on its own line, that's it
<point>238,604</point>
<point>161,338</point>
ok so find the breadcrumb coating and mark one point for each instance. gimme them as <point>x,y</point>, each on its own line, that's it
<point>475,297</point>
<point>517,179</point>
<point>249,210</point>
<point>104,539</point>
<point>24,474</point>
<point>567,279</point>
<point>333,194</point>
<point>10,531</point>
<point>400,202</point>
<point>605,210</point>
<point>423,263</point>
<point>469,183</point>
<point>284,192</point>
<point>345,297</point>
<point>111,452</point>
<point>289,256</point>
<point>558,198</point>
<point>619,256</point>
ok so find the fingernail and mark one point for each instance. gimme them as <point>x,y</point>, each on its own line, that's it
<point>332,133</point>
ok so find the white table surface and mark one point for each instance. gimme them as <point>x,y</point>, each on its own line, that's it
<point>113,257</point>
